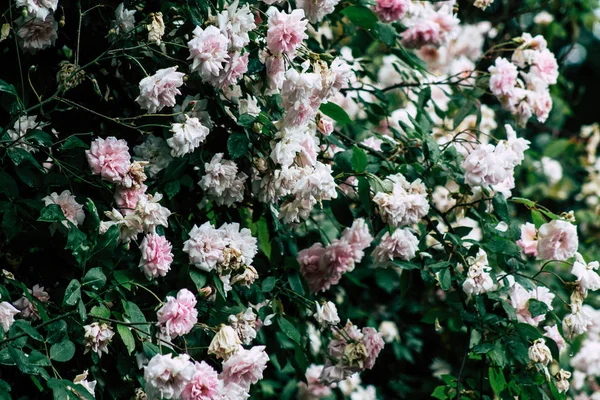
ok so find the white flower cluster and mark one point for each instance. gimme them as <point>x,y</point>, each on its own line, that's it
<point>405,205</point>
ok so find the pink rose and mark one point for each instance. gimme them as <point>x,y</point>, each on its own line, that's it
<point>503,77</point>
<point>109,158</point>
<point>127,197</point>
<point>557,241</point>
<point>391,10</point>
<point>424,32</point>
<point>286,31</point>
<point>374,343</point>
<point>156,255</point>
<point>528,241</point>
<point>245,367</point>
<point>159,90</point>
<point>178,316</point>
<point>204,384</point>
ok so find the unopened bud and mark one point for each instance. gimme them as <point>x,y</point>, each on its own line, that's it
<point>24,13</point>
<point>205,291</point>
<point>257,127</point>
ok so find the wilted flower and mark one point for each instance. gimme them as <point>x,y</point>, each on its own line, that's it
<point>97,337</point>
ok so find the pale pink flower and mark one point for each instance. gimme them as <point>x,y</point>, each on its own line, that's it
<point>128,197</point>
<point>391,10</point>
<point>586,274</point>
<point>7,315</point>
<point>205,246</point>
<point>553,333</point>
<point>423,33</point>
<point>225,343</point>
<point>208,50</point>
<point>97,336</point>
<point>503,77</point>
<point>358,237</point>
<point>166,377</point>
<point>152,212</point>
<point>232,391</point>
<point>519,299</point>
<point>545,66</point>
<point>557,241</point>
<point>159,90</point>
<point>401,244</point>
<point>337,259</point>
<point>27,308</point>
<point>313,389</point>
<point>374,343</point>
<point>39,8</point>
<point>233,71</point>
<point>326,314</point>
<point>204,384</point>
<point>109,158</point>
<point>236,22</point>
<point>275,66</point>
<point>325,125</point>
<point>245,367</point>
<point>187,136</point>
<point>34,34</point>
<point>310,266</point>
<point>316,10</point>
<point>72,210</point>
<point>528,241</point>
<point>286,31</point>
<point>156,256</point>
<point>542,104</point>
<point>373,143</point>
<point>178,315</point>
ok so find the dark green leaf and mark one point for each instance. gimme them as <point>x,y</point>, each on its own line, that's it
<point>289,329</point>
<point>237,145</point>
<point>198,278</point>
<point>335,112</point>
<point>62,351</point>
<point>72,293</point>
<point>269,284</point>
<point>127,337</point>
<point>361,16</point>
<point>359,159</point>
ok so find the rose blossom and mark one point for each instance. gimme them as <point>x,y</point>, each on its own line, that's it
<point>29,309</point>
<point>327,314</point>
<point>503,77</point>
<point>391,10</point>
<point>401,244</point>
<point>156,256</point>
<point>224,343</point>
<point>374,343</point>
<point>245,367</point>
<point>553,333</point>
<point>178,315</point>
<point>545,66</point>
<point>586,274</point>
<point>127,198</point>
<point>208,49</point>
<point>313,389</point>
<point>187,136</point>
<point>286,31</point>
<point>109,158</point>
<point>72,210</point>
<point>97,337</point>
<point>7,315</point>
<point>557,241</point>
<point>528,241</point>
<point>424,32</point>
<point>166,377</point>
<point>159,90</point>
<point>36,33</point>
<point>39,8</point>
<point>204,384</point>
<point>316,10</point>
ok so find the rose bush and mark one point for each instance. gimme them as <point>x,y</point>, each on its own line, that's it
<point>315,199</point>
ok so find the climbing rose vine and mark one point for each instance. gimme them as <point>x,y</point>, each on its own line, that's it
<point>310,199</point>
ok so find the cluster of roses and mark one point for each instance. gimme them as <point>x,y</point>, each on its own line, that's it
<point>227,249</point>
<point>522,84</point>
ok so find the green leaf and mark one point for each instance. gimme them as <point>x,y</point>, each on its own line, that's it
<point>73,142</point>
<point>340,208</point>
<point>537,218</point>
<point>359,159</point>
<point>537,307</point>
<point>108,240</point>
<point>246,120</point>
<point>136,316</point>
<point>7,88</point>
<point>172,188</point>
<point>268,284</point>
<point>497,380</point>
<point>296,284</point>
<point>527,331</point>
<point>22,326</point>
<point>127,337</point>
<point>237,145</point>
<point>62,351</point>
<point>51,213</point>
<point>361,16</point>
<point>72,293</point>
<point>8,185</point>
<point>11,225</point>
<point>198,278</point>
<point>289,329</point>
<point>440,393</point>
<point>364,193</point>
<point>335,112</point>
<point>445,279</point>
<point>387,33</point>
<point>500,207</point>
<point>94,278</point>
<point>56,331</point>
<point>100,311</point>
